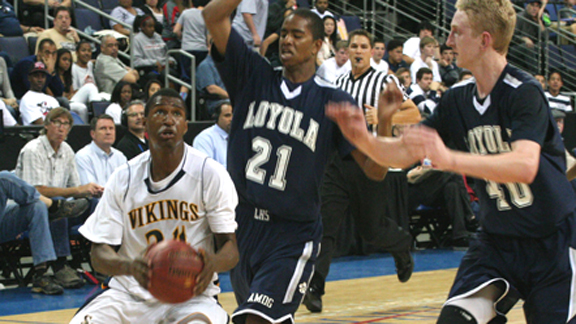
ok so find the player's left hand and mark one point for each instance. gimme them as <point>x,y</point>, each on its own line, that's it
<point>204,278</point>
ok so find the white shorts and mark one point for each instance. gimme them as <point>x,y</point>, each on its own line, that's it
<point>115,306</point>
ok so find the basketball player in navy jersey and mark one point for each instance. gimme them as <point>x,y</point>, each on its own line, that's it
<point>279,143</point>
<point>499,130</point>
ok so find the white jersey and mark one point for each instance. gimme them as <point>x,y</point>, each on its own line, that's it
<point>195,201</point>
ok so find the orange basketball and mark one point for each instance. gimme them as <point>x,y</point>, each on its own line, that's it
<point>174,266</point>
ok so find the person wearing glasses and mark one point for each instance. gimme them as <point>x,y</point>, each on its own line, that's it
<point>134,142</point>
<point>48,164</point>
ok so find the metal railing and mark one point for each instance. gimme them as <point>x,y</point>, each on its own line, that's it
<point>90,37</point>
<point>191,86</point>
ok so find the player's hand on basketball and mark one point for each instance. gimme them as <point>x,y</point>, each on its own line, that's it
<point>371,115</point>
<point>140,270</point>
<point>389,103</point>
<point>204,278</point>
<point>350,119</point>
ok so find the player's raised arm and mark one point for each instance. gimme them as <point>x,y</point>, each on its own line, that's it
<point>217,17</point>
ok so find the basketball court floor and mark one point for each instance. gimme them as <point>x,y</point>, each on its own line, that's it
<point>360,290</point>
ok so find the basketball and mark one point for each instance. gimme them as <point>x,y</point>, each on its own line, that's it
<point>174,266</point>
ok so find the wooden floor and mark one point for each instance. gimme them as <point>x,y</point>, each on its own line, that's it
<point>368,300</point>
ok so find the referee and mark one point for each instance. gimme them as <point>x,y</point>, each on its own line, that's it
<point>346,189</point>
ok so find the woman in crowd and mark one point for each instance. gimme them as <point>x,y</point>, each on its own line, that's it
<point>79,98</point>
<point>151,87</point>
<point>151,8</point>
<point>330,38</point>
<point>125,13</point>
<point>121,95</point>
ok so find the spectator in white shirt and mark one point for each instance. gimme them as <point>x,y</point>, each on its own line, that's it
<point>555,99</point>
<point>377,61</point>
<point>411,48</point>
<point>97,160</point>
<point>321,9</point>
<point>214,140</point>
<point>7,118</point>
<point>35,105</point>
<point>426,59</point>
<point>335,66</point>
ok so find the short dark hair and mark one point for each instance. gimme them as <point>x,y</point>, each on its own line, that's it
<point>421,73</point>
<point>166,92</point>
<point>379,40</point>
<point>63,8</point>
<point>557,72</point>
<point>393,44</point>
<point>45,41</point>
<point>95,120</point>
<point>444,47</point>
<point>82,42</point>
<point>361,32</point>
<point>426,25</point>
<point>315,24</point>
<point>464,73</point>
<point>218,109</point>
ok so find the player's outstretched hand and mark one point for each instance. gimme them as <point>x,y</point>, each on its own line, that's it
<point>351,121</point>
<point>205,277</point>
<point>389,103</point>
<point>424,142</point>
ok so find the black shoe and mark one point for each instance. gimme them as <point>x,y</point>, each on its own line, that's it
<point>45,284</point>
<point>313,300</point>
<point>404,265</point>
<point>69,208</point>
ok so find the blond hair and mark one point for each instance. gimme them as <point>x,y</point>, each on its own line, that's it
<point>497,17</point>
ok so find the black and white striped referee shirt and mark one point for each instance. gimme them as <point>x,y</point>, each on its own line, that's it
<point>367,88</point>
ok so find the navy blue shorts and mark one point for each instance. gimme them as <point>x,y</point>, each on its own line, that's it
<point>276,263</point>
<point>539,271</point>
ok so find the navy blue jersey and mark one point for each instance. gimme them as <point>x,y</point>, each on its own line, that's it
<point>280,138</point>
<point>516,109</point>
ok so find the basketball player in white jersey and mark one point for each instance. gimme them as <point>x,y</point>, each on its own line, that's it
<point>171,191</point>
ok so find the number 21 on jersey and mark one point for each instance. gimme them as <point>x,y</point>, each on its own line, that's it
<point>263,149</point>
<point>520,194</point>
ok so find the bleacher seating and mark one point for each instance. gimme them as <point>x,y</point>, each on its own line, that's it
<point>569,55</point>
<point>109,4</point>
<point>93,3</point>
<point>555,57</point>
<point>85,18</point>
<point>32,44</point>
<point>352,22</point>
<point>16,47</point>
